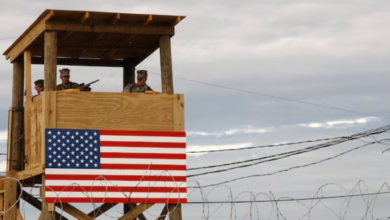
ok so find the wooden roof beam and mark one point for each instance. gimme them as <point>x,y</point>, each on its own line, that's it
<point>176,21</point>
<point>148,20</point>
<point>116,19</point>
<point>39,49</point>
<point>84,17</point>
<point>99,36</point>
<point>109,28</point>
<point>109,54</point>
<point>67,35</point>
<point>80,62</point>
<point>127,38</point>
<point>79,53</point>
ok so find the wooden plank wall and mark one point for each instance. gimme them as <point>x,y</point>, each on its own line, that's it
<point>33,131</point>
<point>99,110</point>
<point>114,111</point>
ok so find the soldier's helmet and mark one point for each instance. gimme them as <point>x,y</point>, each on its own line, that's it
<point>39,82</point>
<point>142,74</point>
<point>65,72</point>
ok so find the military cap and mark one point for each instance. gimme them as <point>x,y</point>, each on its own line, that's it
<point>65,72</point>
<point>142,74</point>
<point>39,82</point>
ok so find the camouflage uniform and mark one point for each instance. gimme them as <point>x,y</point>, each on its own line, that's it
<point>71,85</point>
<point>135,87</point>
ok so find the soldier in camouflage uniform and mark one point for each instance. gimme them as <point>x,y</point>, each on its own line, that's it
<point>38,87</point>
<point>66,84</point>
<point>140,86</point>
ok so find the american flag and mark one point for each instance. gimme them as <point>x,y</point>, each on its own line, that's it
<point>107,166</point>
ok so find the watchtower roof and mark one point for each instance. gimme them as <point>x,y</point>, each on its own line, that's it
<point>102,36</point>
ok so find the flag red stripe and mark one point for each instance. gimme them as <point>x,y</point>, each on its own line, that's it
<point>141,144</point>
<point>114,200</point>
<point>142,167</point>
<point>142,155</point>
<point>116,177</point>
<point>115,189</point>
<point>143,133</point>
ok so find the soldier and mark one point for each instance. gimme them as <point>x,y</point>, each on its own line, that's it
<point>38,87</point>
<point>140,86</point>
<point>66,84</point>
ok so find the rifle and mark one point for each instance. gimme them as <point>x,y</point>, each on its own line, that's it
<point>83,85</point>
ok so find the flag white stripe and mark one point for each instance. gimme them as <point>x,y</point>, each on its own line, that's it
<point>142,161</point>
<point>103,182</point>
<point>154,150</point>
<point>168,195</point>
<point>116,172</point>
<point>142,139</point>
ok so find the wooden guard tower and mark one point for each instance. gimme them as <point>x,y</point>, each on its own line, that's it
<point>84,38</point>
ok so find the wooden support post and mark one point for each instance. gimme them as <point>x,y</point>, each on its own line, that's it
<point>50,61</point>
<point>73,211</point>
<point>16,141</point>
<point>179,125</point>
<point>136,211</point>
<point>18,215</point>
<point>127,207</point>
<point>49,121</point>
<point>49,103</point>
<point>166,65</point>
<point>2,202</point>
<point>27,74</point>
<point>164,213</point>
<point>100,210</point>
<point>10,196</point>
<point>128,71</point>
<point>27,107</point>
<point>175,212</point>
<point>38,204</point>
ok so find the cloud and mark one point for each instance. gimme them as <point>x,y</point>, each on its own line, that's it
<point>215,147</point>
<point>340,123</point>
<point>235,131</point>
<point>3,135</point>
<point>3,166</point>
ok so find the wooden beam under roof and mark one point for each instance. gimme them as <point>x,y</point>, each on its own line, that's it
<point>127,38</point>
<point>67,35</point>
<point>148,20</point>
<point>81,62</point>
<point>100,28</point>
<point>99,36</point>
<point>38,50</point>
<point>109,53</point>
<point>84,17</point>
<point>116,19</point>
<point>176,21</point>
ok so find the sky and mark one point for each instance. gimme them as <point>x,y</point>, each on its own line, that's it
<point>329,53</point>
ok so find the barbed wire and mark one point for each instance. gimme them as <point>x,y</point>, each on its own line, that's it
<point>369,200</point>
